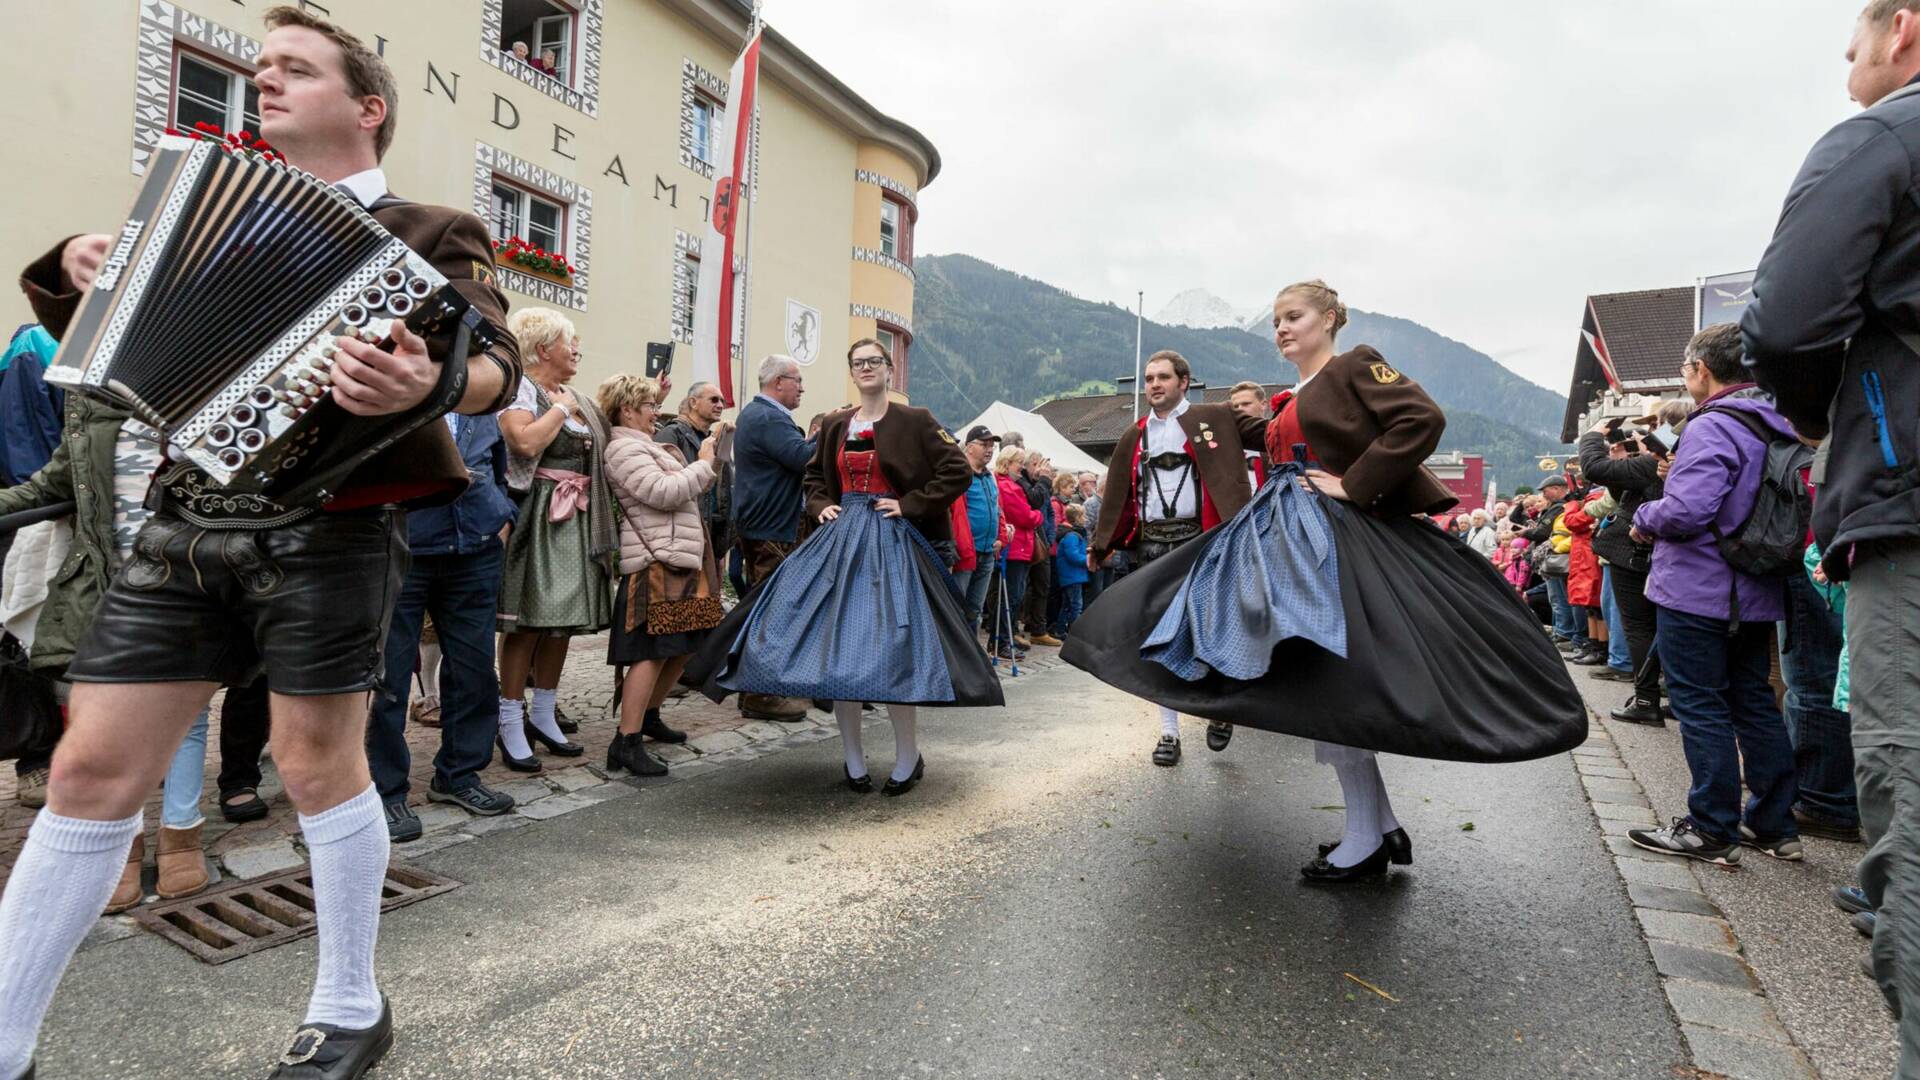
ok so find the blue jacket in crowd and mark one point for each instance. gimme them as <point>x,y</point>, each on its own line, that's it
<point>983,510</point>
<point>30,410</point>
<point>1070,564</point>
<point>770,455</point>
<point>471,522</point>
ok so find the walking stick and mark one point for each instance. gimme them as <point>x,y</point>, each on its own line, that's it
<point>1006,609</point>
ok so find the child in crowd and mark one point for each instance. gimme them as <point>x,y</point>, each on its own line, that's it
<point>1070,567</point>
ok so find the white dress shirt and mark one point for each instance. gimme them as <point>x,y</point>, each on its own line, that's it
<point>367,186</point>
<point>1166,436</point>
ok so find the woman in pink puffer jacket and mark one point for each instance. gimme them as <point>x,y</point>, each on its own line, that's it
<point>668,595</point>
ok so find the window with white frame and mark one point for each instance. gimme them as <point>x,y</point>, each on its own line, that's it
<point>707,115</point>
<point>693,293</point>
<point>208,92</point>
<point>897,341</point>
<point>889,228</point>
<point>539,221</point>
<point>544,31</point>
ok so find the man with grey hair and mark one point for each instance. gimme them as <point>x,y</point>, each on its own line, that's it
<point>770,455</point>
<point>699,413</point>
<point>1832,333</point>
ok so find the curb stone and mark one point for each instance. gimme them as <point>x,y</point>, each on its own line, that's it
<point>1725,1018</point>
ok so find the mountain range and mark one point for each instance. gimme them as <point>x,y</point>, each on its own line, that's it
<point>983,333</point>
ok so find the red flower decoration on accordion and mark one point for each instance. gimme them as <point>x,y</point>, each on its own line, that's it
<point>238,142</point>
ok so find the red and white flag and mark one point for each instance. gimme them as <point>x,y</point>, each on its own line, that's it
<point>719,316</point>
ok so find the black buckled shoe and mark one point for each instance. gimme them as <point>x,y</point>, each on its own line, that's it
<point>568,725</point>
<point>556,747</point>
<point>861,784</point>
<point>326,1052</point>
<point>656,729</point>
<point>1166,751</point>
<point>901,787</point>
<point>1371,868</point>
<point>1219,734</point>
<point>1398,844</point>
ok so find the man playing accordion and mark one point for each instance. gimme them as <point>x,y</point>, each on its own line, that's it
<point>221,585</point>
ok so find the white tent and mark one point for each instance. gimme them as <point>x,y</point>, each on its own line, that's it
<point>1001,418</point>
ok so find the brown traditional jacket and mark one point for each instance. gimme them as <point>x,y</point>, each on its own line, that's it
<point>920,461</point>
<point>1220,438</point>
<point>423,468</point>
<point>1373,427</point>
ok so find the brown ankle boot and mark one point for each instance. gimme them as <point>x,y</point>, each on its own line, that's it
<point>180,868</point>
<point>127,893</point>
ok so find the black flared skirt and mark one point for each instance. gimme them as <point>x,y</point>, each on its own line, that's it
<point>1442,659</point>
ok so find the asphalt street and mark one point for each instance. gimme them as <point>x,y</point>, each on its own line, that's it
<point>1046,903</point>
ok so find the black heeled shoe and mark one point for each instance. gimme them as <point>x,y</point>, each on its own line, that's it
<point>1398,844</point>
<point>1371,868</point>
<point>859,784</point>
<point>528,764</point>
<point>556,747</point>
<point>625,752</point>
<point>656,729</point>
<point>568,725</point>
<point>901,787</point>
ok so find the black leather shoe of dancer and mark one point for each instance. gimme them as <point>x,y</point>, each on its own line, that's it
<point>1219,734</point>
<point>656,729</point>
<point>558,748</point>
<point>528,764</point>
<point>901,787</point>
<point>326,1052</point>
<point>858,784</point>
<point>1166,751</point>
<point>1371,868</point>
<point>1398,844</point>
<point>568,725</point>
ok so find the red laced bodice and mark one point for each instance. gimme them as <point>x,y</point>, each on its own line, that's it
<point>860,464</point>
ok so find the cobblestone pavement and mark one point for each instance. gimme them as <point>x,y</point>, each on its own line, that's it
<point>272,844</point>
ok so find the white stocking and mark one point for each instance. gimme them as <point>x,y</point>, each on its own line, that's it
<point>1388,822</point>
<point>848,713</point>
<point>513,728</point>
<point>906,740</point>
<point>1362,837</point>
<point>1169,723</point>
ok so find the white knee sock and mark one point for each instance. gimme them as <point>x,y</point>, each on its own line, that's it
<point>1388,822</point>
<point>430,671</point>
<point>60,884</point>
<point>542,716</point>
<point>906,739</point>
<point>513,731</point>
<point>1169,723</point>
<point>848,713</point>
<point>1362,837</point>
<point>348,845</point>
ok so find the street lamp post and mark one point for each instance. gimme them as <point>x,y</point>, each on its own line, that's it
<point>1139,326</point>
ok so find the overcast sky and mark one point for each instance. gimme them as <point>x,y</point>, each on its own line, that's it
<point>1479,168</point>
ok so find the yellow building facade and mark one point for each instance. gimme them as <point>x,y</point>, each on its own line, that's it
<point>596,145</point>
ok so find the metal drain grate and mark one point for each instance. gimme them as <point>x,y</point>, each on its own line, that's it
<point>248,916</point>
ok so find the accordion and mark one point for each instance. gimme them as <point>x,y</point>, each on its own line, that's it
<point>215,314</point>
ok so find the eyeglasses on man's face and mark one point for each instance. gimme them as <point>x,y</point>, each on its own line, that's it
<point>795,379</point>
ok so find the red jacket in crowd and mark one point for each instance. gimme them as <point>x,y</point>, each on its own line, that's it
<point>1583,567</point>
<point>1024,519</point>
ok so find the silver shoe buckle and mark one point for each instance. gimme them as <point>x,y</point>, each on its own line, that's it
<point>306,1043</point>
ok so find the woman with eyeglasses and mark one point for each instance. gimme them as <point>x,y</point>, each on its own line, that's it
<point>864,610</point>
<point>1329,607</point>
<point>563,544</point>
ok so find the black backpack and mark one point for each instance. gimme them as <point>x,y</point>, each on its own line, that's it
<point>1770,543</point>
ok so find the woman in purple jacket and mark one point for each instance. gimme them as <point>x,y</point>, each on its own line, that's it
<point>1716,625</point>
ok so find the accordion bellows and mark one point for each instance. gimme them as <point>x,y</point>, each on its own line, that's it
<point>215,314</point>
